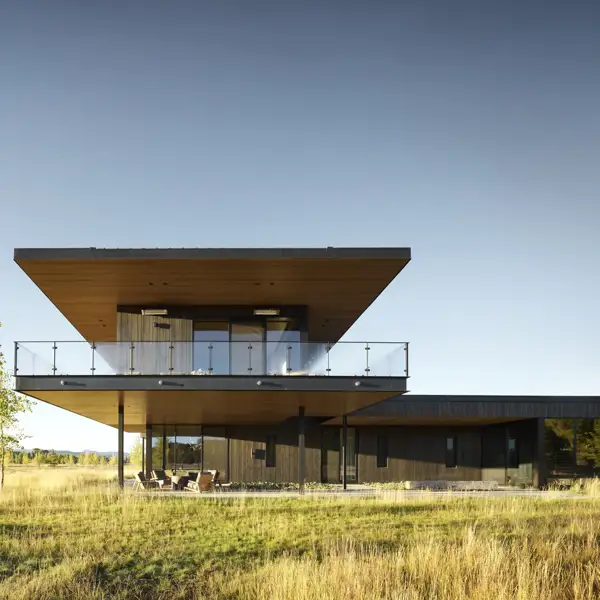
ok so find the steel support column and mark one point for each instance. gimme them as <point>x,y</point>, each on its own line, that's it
<point>345,452</point>
<point>143,454</point>
<point>301,449</point>
<point>120,446</point>
<point>148,451</point>
<point>539,455</point>
<point>575,424</point>
<point>164,448</point>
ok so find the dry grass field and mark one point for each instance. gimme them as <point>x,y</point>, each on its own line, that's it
<point>69,533</point>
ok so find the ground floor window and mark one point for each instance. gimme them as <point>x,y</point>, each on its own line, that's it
<point>382,451</point>
<point>451,454</point>
<point>513,454</point>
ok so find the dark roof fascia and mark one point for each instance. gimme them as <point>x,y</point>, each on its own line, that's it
<point>210,253</point>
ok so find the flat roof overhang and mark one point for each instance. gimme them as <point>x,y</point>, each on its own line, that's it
<point>416,409</point>
<point>336,284</point>
<point>211,400</point>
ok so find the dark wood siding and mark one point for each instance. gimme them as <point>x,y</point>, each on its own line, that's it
<point>418,453</point>
<point>414,453</point>
<point>244,466</point>
<point>157,357</point>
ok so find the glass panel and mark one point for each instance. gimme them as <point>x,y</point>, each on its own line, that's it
<point>211,348</point>
<point>451,454</point>
<point>247,348</point>
<point>215,451</point>
<point>513,455</point>
<point>157,447</point>
<point>283,344</point>
<point>186,451</point>
<point>587,446</point>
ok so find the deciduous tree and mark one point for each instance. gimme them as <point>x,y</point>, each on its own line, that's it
<point>11,406</point>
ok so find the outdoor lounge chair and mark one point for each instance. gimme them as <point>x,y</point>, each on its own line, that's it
<point>161,478</point>
<point>203,483</point>
<point>141,483</point>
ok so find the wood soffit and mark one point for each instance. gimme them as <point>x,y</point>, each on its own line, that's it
<point>336,284</point>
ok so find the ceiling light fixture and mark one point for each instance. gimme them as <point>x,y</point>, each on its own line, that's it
<point>154,312</point>
<point>266,312</point>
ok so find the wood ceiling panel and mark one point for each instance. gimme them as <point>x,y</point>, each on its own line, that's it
<point>205,408</point>
<point>337,287</point>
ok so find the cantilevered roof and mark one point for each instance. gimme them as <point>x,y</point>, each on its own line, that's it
<point>417,409</point>
<point>336,284</point>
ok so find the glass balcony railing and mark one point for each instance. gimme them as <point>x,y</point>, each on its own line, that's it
<point>342,359</point>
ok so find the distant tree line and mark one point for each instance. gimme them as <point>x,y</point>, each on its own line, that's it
<point>39,457</point>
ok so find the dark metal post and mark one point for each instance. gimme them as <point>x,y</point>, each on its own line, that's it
<point>15,369</point>
<point>143,455</point>
<point>539,465</point>
<point>406,359</point>
<point>170,360</point>
<point>121,451</point>
<point>301,449</point>
<point>54,347</point>
<point>345,452</point>
<point>93,347</point>
<point>148,451</point>
<point>164,447</point>
<point>574,448</point>
<point>367,358</point>
<point>131,348</point>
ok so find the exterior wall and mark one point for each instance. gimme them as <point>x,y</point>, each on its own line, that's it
<point>414,453</point>
<point>244,440</point>
<point>495,460</point>
<point>419,453</point>
<point>154,358</point>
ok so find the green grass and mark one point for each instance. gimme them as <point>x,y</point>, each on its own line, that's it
<point>84,539</point>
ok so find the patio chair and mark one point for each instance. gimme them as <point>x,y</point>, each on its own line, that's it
<point>203,483</point>
<point>161,478</point>
<point>141,483</point>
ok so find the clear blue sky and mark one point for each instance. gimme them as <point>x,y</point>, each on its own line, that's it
<point>470,133</point>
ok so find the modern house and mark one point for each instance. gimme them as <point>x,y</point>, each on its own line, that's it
<point>233,359</point>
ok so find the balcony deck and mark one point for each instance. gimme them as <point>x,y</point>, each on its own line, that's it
<point>198,383</point>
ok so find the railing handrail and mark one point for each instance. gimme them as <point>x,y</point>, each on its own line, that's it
<point>204,342</point>
<point>264,357</point>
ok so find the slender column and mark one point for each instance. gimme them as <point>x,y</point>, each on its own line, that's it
<point>345,451</point>
<point>148,451</point>
<point>164,447</point>
<point>120,451</point>
<point>301,449</point>
<point>143,455</point>
<point>539,455</point>
<point>574,422</point>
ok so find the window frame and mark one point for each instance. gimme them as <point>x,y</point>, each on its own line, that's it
<point>451,454</point>
<point>383,451</point>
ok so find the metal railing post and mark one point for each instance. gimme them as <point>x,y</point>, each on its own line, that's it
<point>131,348</point>
<point>54,347</point>
<point>170,360</point>
<point>406,359</point>
<point>249,359</point>
<point>93,346</point>
<point>15,368</point>
<point>328,348</point>
<point>210,359</point>
<point>367,358</point>
<point>289,360</point>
